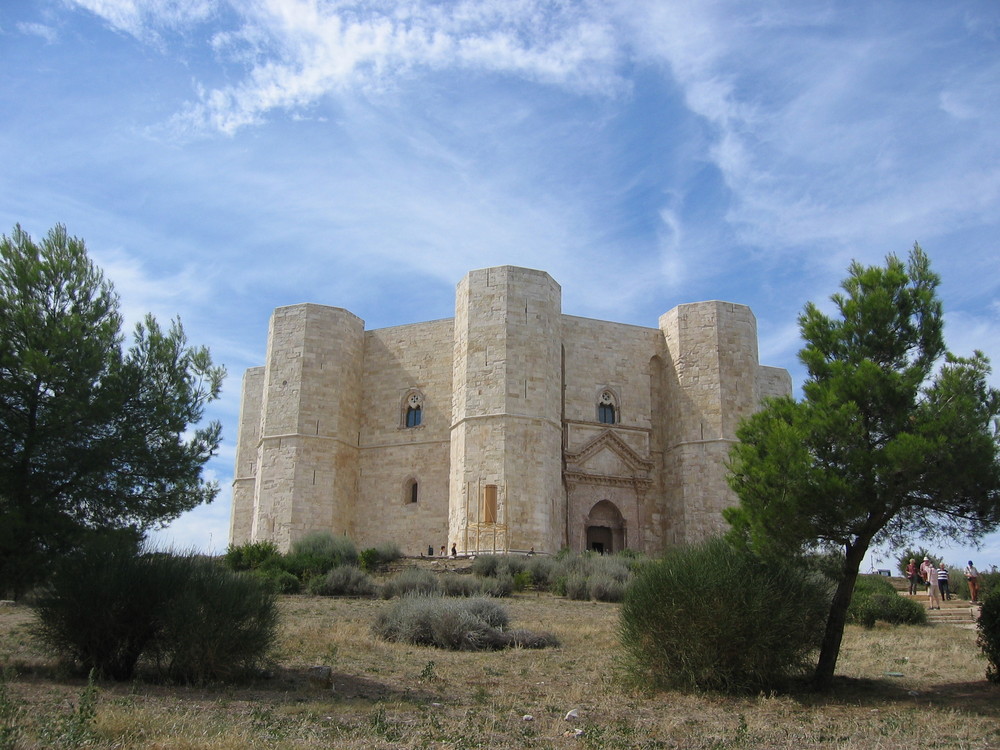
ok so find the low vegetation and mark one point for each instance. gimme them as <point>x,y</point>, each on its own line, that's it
<point>477,624</point>
<point>307,566</point>
<point>113,606</point>
<point>876,600</point>
<point>907,687</point>
<point>989,635</point>
<point>711,617</point>
<point>581,576</point>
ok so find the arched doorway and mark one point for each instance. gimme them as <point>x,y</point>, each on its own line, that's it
<point>605,532</point>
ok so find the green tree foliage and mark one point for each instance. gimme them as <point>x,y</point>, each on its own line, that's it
<point>93,435</point>
<point>894,437</point>
<point>989,635</point>
<point>917,555</point>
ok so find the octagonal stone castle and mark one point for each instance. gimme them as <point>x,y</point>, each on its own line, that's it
<point>511,427</point>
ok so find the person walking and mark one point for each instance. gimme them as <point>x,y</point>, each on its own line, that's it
<point>972,576</point>
<point>942,582</point>
<point>913,576</point>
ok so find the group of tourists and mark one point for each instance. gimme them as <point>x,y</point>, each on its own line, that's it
<point>936,581</point>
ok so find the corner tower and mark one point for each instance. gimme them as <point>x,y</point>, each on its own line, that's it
<point>506,436</point>
<point>711,384</point>
<point>310,414</point>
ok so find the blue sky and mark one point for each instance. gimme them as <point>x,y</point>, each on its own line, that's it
<point>224,158</point>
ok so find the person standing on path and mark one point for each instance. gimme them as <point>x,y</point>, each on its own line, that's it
<point>942,582</point>
<point>972,576</point>
<point>913,576</point>
<point>923,569</point>
<point>933,593</point>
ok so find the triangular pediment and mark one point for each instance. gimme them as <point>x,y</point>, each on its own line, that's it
<point>610,456</point>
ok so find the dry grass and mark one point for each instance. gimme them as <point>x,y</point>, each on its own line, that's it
<point>389,695</point>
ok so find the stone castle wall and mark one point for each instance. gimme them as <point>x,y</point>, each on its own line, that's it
<point>509,394</point>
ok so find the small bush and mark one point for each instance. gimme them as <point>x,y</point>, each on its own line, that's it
<point>486,565</point>
<point>113,603</point>
<point>278,580</point>
<point>499,587</point>
<point>604,588</point>
<point>344,580</point>
<point>318,553</point>
<point>251,556</point>
<point>679,631</point>
<point>455,624</point>
<point>875,599</point>
<point>453,584</point>
<point>575,587</point>
<point>412,581</point>
<point>989,635</point>
<point>103,606</point>
<point>523,580</point>
<point>988,583</point>
<point>219,625</point>
<point>542,569</point>
<point>372,558</point>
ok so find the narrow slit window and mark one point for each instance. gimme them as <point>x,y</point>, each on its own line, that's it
<point>414,492</point>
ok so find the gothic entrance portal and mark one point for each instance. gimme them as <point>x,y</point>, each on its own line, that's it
<point>605,531</point>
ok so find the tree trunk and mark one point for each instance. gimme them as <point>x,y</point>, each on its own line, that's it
<point>837,619</point>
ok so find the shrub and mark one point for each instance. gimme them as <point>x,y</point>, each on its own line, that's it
<point>278,580</point>
<point>486,565</point>
<point>704,617</point>
<point>604,588</point>
<point>575,587</point>
<point>113,603</point>
<point>499,587</point>
<point>372,558</point>
<point>988,583</point>
<point>344,580</point>
<point>218,626</point>
<point>103,604</point>
<point>542,569</point>
<point>523,580</point>
<point>455,624</point>
<point>876,599</point>
<point>989,635</point>
<point>251,556</point>
<point>409,582</point>
<point>318,553</point>
<point>453,584</point>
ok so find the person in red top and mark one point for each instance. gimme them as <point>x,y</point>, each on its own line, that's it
<point>913,576</point>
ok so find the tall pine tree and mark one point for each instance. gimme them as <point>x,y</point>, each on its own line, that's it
<point>895,437</point>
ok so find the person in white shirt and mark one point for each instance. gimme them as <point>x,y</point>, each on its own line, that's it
<point>972,576</point>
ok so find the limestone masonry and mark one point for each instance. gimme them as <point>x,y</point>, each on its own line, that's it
<point>510,427</point>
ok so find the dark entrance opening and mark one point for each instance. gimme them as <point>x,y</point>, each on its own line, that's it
<point>600,539</point>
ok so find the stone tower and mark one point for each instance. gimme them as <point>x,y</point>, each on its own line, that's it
<point>309,417</point>
<point>712,382</point>
<point>506,434</point>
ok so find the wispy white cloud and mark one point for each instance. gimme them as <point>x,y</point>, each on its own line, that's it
<point>145,19</point>
<point>296,52</point>
<point>44,31</point>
